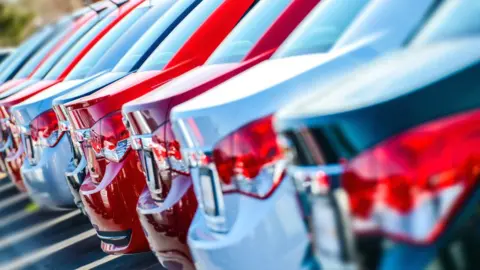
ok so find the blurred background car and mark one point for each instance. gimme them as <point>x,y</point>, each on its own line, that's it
<point>11,145</point>
<point>48,151</point>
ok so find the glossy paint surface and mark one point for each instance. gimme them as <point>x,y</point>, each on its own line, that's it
<point>45,181</point>
<point>111,204</point>
<point>273,230</point>
<point>166,223</point>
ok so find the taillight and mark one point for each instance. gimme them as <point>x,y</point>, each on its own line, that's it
<point>166,151</point>
<point>44,129</point>
<point>161,159</point>
<point>409,186</point>
<point>110,138</point>
<point>246,159</point>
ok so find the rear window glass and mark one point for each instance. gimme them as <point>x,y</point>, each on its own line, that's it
<point>165,52</point>
<point>77,48</point>
<point>91,58</point>
<point>321,28</point>
<point>242,39</point>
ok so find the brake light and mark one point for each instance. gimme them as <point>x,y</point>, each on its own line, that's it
<point>109,138</point>
<point>409,186</point>
<point>166,151</point>
<point>44,129</point>
<point>246,160</point>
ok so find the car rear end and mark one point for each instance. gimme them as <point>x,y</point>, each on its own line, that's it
<point>392,162</point>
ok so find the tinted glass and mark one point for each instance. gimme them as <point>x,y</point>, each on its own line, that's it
<point>77,48</point>
<point>321,28</point>
<point>14,62</point>
<point>452,19</point>
<point>165,52</point>
<point>38,57</point>
<point>127,40</point>
<point>155,34</point>
<point>91,58</point>
<point>53,59</point>
<point>242,39</point>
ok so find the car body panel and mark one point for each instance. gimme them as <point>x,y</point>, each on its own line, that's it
<point>45,181</point>
<point>30,108</point>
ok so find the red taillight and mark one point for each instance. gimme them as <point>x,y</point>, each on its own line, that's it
<point>166,151</point>
<point>246,160</point>
<point>410,185</point>
<point>44,129</point>
<point>110,138</point>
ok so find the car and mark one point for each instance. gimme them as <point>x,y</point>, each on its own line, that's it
<point>362,152</point>
<point>115,171</point>
<point>131,60</point>
<point>402,150</point>
<point>147,118</point>
<point>55,77</point>
<point>235,161</point>
<point>10,139</point>
<point>5,52</point>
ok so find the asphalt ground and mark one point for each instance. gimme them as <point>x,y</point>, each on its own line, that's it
<point>34,239</point>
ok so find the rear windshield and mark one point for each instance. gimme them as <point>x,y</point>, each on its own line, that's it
<point>445,24</point>
<point>30,66</point>
<point>165,52</point>
<point>155,34</point>
<point>53,59</point>
<point>14,62</point>
<point>91,58</point>
<point>321,28</point>
<point>242,39</point>
<point>120,48</point>
<point>77,48</point>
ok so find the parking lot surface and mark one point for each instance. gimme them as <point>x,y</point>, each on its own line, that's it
<point>32,238</point>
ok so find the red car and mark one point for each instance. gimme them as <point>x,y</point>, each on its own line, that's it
<point>148,123</point>
<point>56,75</point>
<point>116,177</point>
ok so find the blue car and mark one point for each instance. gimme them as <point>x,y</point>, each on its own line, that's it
<point>237,166</point>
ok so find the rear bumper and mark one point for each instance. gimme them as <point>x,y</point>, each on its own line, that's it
<point>13,162</point>
<point>111,206</point>
<point>267,234</point>
<point>166,223</point>
<point>45,181</point>
<point>75,175</point>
